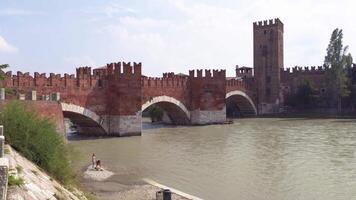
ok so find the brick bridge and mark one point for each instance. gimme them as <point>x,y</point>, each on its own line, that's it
<point>111,99</point>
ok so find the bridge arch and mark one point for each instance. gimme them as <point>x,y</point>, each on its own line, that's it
<point>87,121</point>
<point>242,101</point>
<point>175,109</point>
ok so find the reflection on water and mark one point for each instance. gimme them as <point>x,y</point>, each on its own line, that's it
<point>250,159</point>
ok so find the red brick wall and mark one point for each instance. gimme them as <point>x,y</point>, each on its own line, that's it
<point>105,91</point>
<point>207,92</point>
<point>268,59</point>
<point>169,85</point>
<point>292,78</point>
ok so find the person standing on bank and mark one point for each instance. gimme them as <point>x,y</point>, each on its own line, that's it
<point>93,160</point>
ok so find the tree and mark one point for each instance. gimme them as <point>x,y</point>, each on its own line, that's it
<point>351,73</point>
<point>337,61</point>
<point>2,73</point>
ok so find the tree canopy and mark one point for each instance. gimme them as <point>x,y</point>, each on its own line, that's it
<point>337,60</point>
<point>2,74</point>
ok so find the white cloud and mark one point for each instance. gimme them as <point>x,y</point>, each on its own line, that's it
<point>207,38</point>
<point>211,36</point>
<point>110,10</point>
<point>18,12</point>
<point>5,47</point>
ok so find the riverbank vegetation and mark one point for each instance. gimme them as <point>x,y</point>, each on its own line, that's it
<point>37,139</point>
<point>155,113</point>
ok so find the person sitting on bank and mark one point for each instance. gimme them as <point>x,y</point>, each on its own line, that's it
<point>98,166</point>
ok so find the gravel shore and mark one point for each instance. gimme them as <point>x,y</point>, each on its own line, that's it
<point>103,186</point>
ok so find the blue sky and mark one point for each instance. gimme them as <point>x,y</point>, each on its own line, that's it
<point>165,35</point>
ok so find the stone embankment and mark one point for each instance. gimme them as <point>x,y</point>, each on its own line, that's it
<point>37,185</point>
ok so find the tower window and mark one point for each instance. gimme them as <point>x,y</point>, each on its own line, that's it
<point>268,79</point>
<point>264,32</point>
<point>268,92</point>
<point>271,35</point>
<point>264,50</point>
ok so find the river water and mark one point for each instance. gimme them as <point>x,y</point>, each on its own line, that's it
<point>253,159</point>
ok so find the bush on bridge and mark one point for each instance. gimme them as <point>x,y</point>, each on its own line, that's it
<point>37,139</point>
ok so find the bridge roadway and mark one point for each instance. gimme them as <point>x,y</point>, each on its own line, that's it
<point>110,100</point>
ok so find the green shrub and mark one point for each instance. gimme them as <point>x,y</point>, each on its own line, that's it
<point>155,113</point>
<point>36,138</point>
<point>19,168</point>
<point>13,181</point>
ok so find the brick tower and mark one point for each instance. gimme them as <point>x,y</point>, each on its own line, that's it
<point>267,62</point>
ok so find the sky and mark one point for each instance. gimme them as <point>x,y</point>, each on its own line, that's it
<point>165,35</point>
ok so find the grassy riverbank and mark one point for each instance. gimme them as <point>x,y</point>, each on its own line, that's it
<point>37,139</point>
<point>31,182</point>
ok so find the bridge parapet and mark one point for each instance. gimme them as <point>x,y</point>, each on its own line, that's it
<point>168,80</point>
<point>236,84</point>
<point>85,77</point>
<point>304,70</point>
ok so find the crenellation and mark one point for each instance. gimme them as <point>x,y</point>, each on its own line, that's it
<point>110,68</point>
<point>116,69</point>
<point>267,23</point>
<point>169,79</point>
<point>219,73</point>
<point>83,72</point>
<point>304,70</point>
<point>208,73</point>
<point>199,73</point>
<point>127,68</point>
<point>137,69</point>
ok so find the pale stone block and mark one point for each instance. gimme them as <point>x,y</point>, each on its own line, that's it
<point>4,168</point>
<point>22,97</point>
<point>2,93</point>
<point>33,95</point>
<point>58,96</point>
<point>208,116</point>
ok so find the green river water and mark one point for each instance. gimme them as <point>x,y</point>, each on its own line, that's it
<point>251,159</point>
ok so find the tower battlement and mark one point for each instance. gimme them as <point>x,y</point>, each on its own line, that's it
<point>121,69</point>
<point>268,23</point>
<point>208,74</point>
<point>268,62</point>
